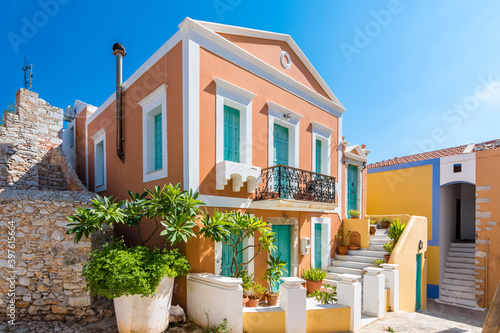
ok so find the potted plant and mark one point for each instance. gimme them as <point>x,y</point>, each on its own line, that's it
<point>343,249</point>
<point>388,247</point>
<point>256,291</point>
<point>246,285</point>
<point>138,278</point>
<point>276,268</point>
<point>314,279</point>
<point>385,222</point>
<point>354,214</point>
<point>373,227</point>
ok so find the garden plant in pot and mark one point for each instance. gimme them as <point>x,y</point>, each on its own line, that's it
<point>388,247</point>
<point>314,279</point>
<point>140,279</point>
<point>276,268</point>
<point>342,248</point>
<point>373,227</point>
<point>256,293</point>
<point>354,214</point>
<point>385,222</point>
<point>247,280</point>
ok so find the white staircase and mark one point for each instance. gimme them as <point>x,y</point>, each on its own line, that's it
<point>355,261</point>
<point>458,285</point>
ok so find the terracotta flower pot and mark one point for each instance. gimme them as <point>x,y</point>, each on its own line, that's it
<point>354,217</point>
<point>385,225</point>
<point>313,285</point>
<point>343,249</point>
<point>253,302</point>
<point>387,257</point>
<point>373,230</point>
<point>245,300</point>
<point>272,298</point>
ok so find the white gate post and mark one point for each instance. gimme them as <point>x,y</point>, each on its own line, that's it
<point>293,301</point>
<point>349,294</point>
<point>374,292</point>
<point>392,283</point>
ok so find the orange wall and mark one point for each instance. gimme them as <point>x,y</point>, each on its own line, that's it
<point>488,234</point>
<point>212,66</point>
<point>270,51</point>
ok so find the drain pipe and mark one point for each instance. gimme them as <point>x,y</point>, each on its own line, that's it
<point>119,52</point>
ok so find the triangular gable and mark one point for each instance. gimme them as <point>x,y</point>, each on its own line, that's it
<point>268,47</point>
<point>357,153</point>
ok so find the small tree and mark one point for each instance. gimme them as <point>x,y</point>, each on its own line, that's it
<point>273,274</point>
<point>232,228</point>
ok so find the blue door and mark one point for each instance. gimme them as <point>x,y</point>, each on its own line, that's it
<point>317,245</point>
<point>418,304</point>
<point>352,195</point>
<point>283,244</point>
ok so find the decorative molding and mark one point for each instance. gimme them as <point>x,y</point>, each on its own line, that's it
<point>155,94</point>
<point>233,88</point>
<point>322,127</point>
<point>284,110</point>
<point>285,59</point>
<point>99,133</point>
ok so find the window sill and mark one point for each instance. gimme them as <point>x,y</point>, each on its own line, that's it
<point>154,175</point>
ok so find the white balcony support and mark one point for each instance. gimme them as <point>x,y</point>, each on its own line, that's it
<point>239,173</point>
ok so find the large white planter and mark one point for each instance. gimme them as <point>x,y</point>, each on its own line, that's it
<point>136,314</point>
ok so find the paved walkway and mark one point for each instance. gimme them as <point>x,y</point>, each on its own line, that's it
<point>437,318</point>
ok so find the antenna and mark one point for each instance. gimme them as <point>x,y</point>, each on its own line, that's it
<point>27,79</point>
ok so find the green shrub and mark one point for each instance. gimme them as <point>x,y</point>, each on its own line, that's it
<point>353,213</point>
<point>221,328</point>
<point>313,274</point>
<point>273,274</point>
<point>325,297</point>
<point>256,290</point>
<point>396,230</point>
<point>120,271</point>
<point>378,262</point>
<point>388,247</point>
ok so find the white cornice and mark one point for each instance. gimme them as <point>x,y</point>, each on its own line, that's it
<point>283,110</point>
<point>158,91</point>
<point>235,89</point>
<point>99,133</point>
<point>322,127</point>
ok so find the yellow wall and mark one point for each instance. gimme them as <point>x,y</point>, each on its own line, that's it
<point>335,319</point>
<point>264,322</point>
<point>404,255</point>
<point>360,225</point>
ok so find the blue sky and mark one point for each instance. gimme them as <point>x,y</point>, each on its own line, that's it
<point>413,75</point>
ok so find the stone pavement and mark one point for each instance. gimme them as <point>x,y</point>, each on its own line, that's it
<point>437,318</point>
<point>104,326</point>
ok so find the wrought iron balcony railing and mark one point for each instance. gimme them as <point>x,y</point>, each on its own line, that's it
<point>284,182</point>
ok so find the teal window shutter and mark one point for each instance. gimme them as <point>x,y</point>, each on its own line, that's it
<point>158,143</point>
<point>280,145</point>
<point>318,156</point>
<point>317,245</point>
<point>231,134</point>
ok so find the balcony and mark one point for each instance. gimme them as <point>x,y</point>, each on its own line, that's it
<point>290,188</point>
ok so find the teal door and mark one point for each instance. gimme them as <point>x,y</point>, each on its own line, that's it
<point>317,245</point>
<point>231,134</point>
<point>352,194</point>
<point>227,258</point>
<point>418,304</point>
<point>318,156</point>
<point>280,145</point>
<point>283,244</point>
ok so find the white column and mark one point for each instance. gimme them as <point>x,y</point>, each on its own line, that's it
<point>392,283</point>
<point>293,301</point>
<point>349,294</point>
<point>374,292</point>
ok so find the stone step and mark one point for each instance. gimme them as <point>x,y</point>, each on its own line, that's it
<point>376,248</point>
<point>331,276</point>
<point>462,260</point>
<point>464,277</point>
<point>462,250</point>
<point>456,282</point>
<point>461,254</point>
<point>349,264</point>
<point>452,264</point>
<point>461,271</point>
<point>379,237</point>
<point>344,270</point>
<point>331,282</point>
<point>379,241</point>
<point>457,301</point>
<point>363,259</point>
<point>457,288</point>
<point>366,253</point>
<point>457,294</point>
<point>462,245</point>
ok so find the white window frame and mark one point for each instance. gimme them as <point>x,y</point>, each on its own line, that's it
<point>72,136</point>
<point>276,115</point>
<point>149,104</point>
<point>323,134</point>
<point>326,240</point>
<point>241,100</point>
<point>98,137</point>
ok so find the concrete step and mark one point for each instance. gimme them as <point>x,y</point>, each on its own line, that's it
<point>376,248</point>
<point>462,250</point>
<point>379,237</point>
<point>331,282</point>
<point>461,254</point>
<point>457,301</point>
<point>462,245</point>
<point>367,253</point>
<point>462,260</point>
<point>349,264</point>
<point>463,277</point>
<point>379,241</point>
<point>456,282</point>
<point>458,287</point>
<point>381,232</point>
<point>362,259</point>
<point>451,264</point>
<point>462,271</point>
<point>458,294</point>
<point>332,276</point>
<point>344,270</point>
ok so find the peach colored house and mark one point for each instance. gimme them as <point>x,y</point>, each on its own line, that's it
<point>241,116</point>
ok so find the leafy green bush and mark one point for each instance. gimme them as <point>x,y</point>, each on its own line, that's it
<point>325,297</point>
<point>353,213</point>
<point>256,290</point>
<point>396,230</point>
<point>378,262</point>
<point>120,271</point>
<point>388,247</point>
<point>313,274</point>
<point>221,328</point>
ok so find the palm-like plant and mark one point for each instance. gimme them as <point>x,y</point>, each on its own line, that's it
<point>396,230</point>
<point>274,272</point>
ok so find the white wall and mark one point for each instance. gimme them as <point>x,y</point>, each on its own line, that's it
<point>468,211</point>
<point>468,173</point>
<point>447,220</point>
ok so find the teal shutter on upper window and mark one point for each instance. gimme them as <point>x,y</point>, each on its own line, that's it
<point>158,143</point>
<point>317,245</point>
<point>231,134</point>
<point>318,156</point>
<point>280,145</point>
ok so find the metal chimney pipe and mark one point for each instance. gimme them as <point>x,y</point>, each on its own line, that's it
<point>119,52</point>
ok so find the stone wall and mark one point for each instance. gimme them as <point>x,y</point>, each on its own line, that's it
<point>48,264</point>
<point>25,139</point>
